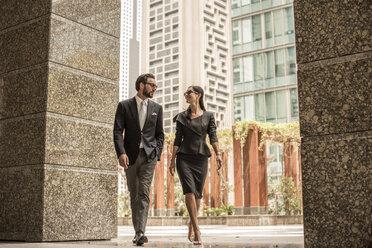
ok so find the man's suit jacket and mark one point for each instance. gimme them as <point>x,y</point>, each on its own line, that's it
<point>126,118</point>
<point>191,134</point>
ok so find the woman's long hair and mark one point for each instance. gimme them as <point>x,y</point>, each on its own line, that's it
<point>201,101</point>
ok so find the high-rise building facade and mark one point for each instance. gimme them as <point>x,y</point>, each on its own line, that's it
<point>264,61</point>
<point>130,47</point>
<point>188,43</point>
<point>264,67</point>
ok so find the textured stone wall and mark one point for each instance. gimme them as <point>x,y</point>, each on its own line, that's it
<point>333,46</point>
<point>59,69</point>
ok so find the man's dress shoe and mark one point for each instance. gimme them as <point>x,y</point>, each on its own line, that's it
<point>134,240</point>
<point>140,239</point>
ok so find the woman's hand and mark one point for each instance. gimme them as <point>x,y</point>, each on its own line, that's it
<point>219,161</point>
<point>172,167</point>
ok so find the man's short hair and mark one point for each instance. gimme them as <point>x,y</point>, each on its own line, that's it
<point>143,79</point>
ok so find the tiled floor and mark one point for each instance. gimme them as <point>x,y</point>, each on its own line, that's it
<point>175,236</point>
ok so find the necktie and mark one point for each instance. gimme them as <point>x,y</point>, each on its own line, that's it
<point>142,114</point>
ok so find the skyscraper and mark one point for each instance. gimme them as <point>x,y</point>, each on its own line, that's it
<point>130,47</point>
<point>264,67</point>
<point>264,61</point>
<point>188,43</point>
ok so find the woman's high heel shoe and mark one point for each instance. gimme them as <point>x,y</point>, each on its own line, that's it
<point>191,233</point>
<point>197,242</point>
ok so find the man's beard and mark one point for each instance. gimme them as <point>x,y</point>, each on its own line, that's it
<point>146,93</point>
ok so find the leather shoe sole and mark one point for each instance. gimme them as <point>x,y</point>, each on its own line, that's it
<point>140,241</point>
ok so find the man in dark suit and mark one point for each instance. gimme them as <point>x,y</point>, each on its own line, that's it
<point>140,147</point>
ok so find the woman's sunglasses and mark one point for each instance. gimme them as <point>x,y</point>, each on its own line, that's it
<point>189,92</point>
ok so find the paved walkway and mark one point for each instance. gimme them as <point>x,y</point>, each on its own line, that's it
<point>175,236</point>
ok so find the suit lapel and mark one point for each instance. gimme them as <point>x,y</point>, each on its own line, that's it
<point>150,108</point>
<point>134,111</point>
<point>181,117</point>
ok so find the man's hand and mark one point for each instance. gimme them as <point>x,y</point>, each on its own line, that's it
<point>124,161</point>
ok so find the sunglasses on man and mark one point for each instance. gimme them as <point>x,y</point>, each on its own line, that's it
<point>154,86</point>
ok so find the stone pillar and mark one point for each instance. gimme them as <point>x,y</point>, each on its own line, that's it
<point>238,184</point>
<point>59,70</point>
<point>170,184</point>
<point>333,46</point>
<point>159,194</point>
<point>215,183</point>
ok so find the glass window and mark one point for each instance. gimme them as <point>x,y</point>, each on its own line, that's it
<point>238,108</point>
<point>259,107</point>
<point>269,69</point>
<point>258,66</point>
<point>237,68</point>
<point>291,61</point>
<point>270,106</point>
<point>277,2</point>
<point>255,5</point>
<point>266,4</point>
<point>281,103</point>
<point>236,33</point>
<point>245,2</point>
<point>256,31</point>
<point>278,26</point>
<point>248,69</point>
<point>247,30</point>
<point>268,29</point>
<point>279,67</point>
<point>288,20</point>
<point>235,4</point>
<point>249,108</point>
<point>294,104</point>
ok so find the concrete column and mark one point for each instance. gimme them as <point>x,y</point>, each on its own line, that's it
<point>59,71</point>
<point>170,184</point>
<point>238,184</point>
<point>159,194</point>
<point>333,50</point>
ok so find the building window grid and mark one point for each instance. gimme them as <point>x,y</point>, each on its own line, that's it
<point>282,30</point>
<point>270,76</point>
<point>241,108</point>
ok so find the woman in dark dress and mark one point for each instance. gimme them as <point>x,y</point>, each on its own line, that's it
<point>192,153</point>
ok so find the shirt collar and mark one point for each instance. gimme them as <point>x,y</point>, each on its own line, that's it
<point>139,100</point>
